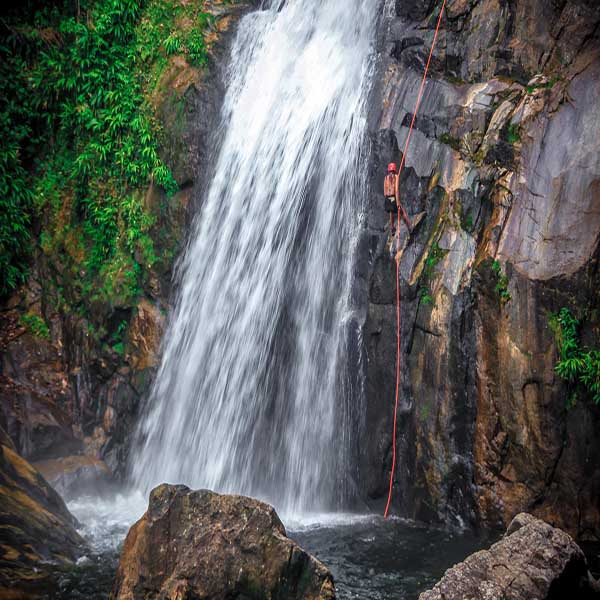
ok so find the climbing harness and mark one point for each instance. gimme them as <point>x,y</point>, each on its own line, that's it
<point>398,311</point>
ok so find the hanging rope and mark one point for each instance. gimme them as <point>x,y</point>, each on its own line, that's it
<point>398,311</point>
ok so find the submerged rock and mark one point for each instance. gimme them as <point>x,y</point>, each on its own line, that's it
<point>534,561</point>
<point>37,532</point>
<point>199,544</point>
<point>71,472</point>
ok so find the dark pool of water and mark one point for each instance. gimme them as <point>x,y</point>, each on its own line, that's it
<point>92,580</point>
<point>379,560</point>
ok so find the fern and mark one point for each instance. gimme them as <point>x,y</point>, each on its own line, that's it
<point>435,256</point>
<point>578,367</point>
<point>570,369</point>
<point>172,44</point>
<point>501,286</point>
<point>197,48</point>
<point>36,325</point>
<point>590,375</point>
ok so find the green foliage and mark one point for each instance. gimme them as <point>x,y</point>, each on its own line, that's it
<point>451,141</point>
<point>435,256</point>
<point>36,325</point>
<point>579,367</point>
<point>172,44</point>
<point>206,20</point>
<point>15,192</point>
<point>501,287</point>
<point>197,48</point>
<point>542,86</point>
<point>466,221</point>
<point>15,207</point>
<point>590,373</point>
<point>119,348</point>
<point>565,328</point>
<point>513,134</point>
<point>163,177</point>
<point>80,140</point>
<point>455,80</point>
<point>193,44</point>
<point>119,333</point>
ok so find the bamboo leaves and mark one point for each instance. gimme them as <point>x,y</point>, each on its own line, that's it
<point>579,367</point>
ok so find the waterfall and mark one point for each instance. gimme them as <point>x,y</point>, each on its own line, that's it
<point>253,393</point>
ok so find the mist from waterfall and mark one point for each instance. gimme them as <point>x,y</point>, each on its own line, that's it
<point>258,392</point>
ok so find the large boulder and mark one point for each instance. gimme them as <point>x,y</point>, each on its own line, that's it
<point>533,561</point>
<point>198,544</point>
<point>37,532</point>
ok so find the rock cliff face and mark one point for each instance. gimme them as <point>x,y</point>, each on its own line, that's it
<point>505,163</point>
<point>198,544</point>
<point>71,383</point>
<point>37,532</point>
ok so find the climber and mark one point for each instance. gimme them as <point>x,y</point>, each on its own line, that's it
<point>391,205</point>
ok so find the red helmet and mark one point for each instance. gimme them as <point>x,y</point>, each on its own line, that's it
<point>392,168</point>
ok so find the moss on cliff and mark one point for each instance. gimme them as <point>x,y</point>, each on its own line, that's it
<point>82,86</point>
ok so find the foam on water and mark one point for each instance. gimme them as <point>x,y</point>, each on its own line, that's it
<point>105,519</point>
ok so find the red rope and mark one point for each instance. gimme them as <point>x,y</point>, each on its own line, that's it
<point>398,311</point>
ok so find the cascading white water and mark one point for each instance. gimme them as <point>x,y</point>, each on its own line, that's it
<point>251,395</point>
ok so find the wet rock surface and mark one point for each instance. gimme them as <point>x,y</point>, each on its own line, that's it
<point>205,545</point>
<point>533,561</point>
<point>37,532</point>
<point>503,161</point>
